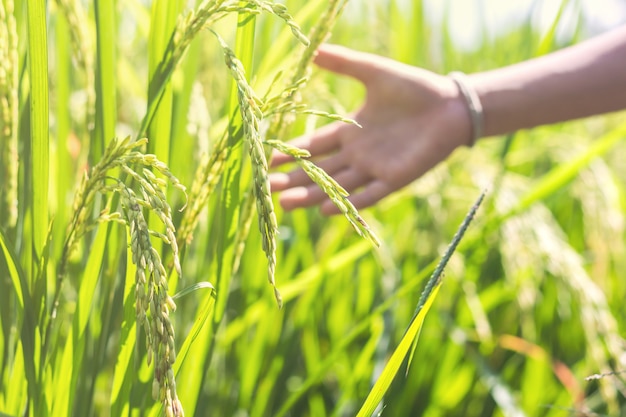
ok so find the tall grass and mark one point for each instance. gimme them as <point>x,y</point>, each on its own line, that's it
<point>135,274</point>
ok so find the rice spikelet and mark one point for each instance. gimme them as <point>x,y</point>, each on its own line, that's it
<point>337,194</point>
<point>251,115</point>
<point>145,192</point>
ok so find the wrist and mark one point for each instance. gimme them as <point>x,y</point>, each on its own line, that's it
<point>468,96</point>
<point>456,120</point>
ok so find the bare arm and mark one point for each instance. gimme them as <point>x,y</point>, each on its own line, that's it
<point>579,81</point>
<point>413,119</point>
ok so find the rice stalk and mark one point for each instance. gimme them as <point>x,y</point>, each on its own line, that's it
<point>253,109</point>
<point>8,116</point>
<point>337,194</point>
<point>280,10</point>
<point>211,167</point>
<point>188,27</point>
<point>207,176</point>
<point>249,107</point>
<point>289,102</point>
<point>76,17</point>
<point>153,304</point>
<point>300,75</point>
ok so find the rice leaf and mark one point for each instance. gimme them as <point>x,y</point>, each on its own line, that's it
<point>106,101</point>
<point>65,172</point>
<point>196,345</point>
<point>16,392</point>
<point>393,365</point>
<point>29,341</point>
<point>38,73</point>
<point>63,388</point>
<point>164,17</point>
<point>124,375</point>
<point>72,362</point>
<point>192,288</point>
<point>409,340</point>
<point>17,276</point>
<point>89,281</point>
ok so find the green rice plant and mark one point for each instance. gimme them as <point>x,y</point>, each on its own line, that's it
<point>412,333</point>
<point>251,115</point>
<point>121,176</point>
<point>532,304</point>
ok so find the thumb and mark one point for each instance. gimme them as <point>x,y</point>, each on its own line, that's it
<point>345,61</point>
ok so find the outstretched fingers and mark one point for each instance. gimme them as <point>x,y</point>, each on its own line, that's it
<point>296,178</point>
<point>373,192</point>
<point>324,140</point>
<point>312,195</point>
<point>325,144</point>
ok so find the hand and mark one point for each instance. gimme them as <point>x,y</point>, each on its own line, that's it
<point>411,120</point>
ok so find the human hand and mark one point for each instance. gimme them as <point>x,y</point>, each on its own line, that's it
<point>411,120</point>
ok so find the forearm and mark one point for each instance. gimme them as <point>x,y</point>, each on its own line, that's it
<point>583,80</point>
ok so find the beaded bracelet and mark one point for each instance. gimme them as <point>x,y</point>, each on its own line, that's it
<point>474,106</point>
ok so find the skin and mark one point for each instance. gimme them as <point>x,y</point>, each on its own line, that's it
<point>412,119</point>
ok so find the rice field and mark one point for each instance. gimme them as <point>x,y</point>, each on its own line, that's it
<point>148,270</point>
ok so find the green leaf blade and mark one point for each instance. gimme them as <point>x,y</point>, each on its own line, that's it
<point>38,72</point>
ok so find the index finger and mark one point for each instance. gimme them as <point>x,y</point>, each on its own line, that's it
<point>345,61</point>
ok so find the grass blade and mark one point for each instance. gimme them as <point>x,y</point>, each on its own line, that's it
<point>72,364</point>
<point>17,276</point>
<point>15,394</point>
<point>391,369</point>
<point>201,320</point>
<point>65,171</point>
<point>411,335</point>
<point>124,371</point>
<point>164,16</point>
<point>163,22</point>
<point>547,43</point>
<point>106,103</point>
<point>38,72</point>
<point>196,346</point>
<point>27,321</point>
